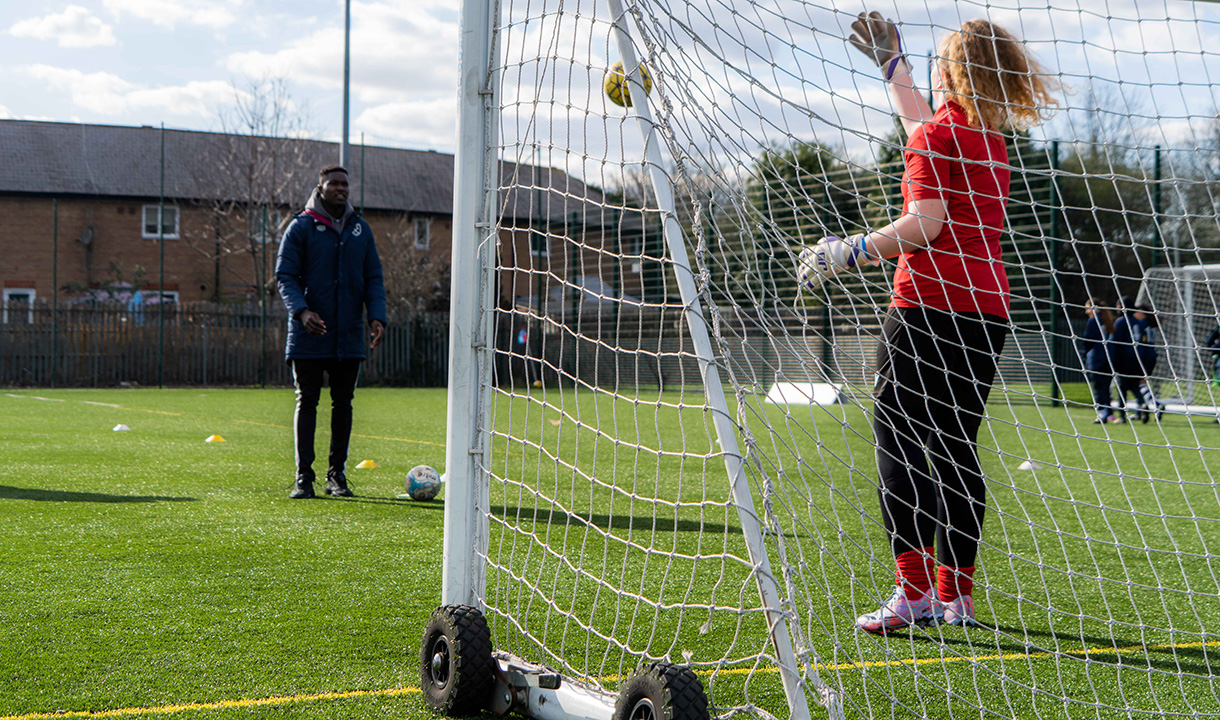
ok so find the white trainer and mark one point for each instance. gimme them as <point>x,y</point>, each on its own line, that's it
<point>959,612</point>
<point>898,612</point>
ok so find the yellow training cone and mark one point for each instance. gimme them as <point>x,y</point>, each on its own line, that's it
<point>214,438</point>
<point>365,464</point>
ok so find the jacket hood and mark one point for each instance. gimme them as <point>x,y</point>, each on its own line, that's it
<point>316,205</point>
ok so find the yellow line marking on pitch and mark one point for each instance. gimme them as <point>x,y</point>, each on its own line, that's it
<point>1131,649</point>
<point>392,692</point>
<point>219,705</point>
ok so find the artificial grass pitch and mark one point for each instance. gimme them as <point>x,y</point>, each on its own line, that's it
<point>150,568</point>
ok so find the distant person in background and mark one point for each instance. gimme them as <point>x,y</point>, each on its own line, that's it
<point>329,274</point>
<point>1213,345</point>
<point>1094,359</point>
<point>1133,356</point>
<point>1146,356</point>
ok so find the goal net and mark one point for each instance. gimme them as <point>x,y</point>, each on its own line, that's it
<point>661,447</point>
<point>1186,303</point>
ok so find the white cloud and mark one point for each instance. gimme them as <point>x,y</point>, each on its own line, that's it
<point>100,92</point>
<point>198,98</point>
<point>427,124</point>
<point>75,27</point>
<point>385,67</point>
<point>108,94</point>
<point>215,14</point>
<point>6,114</point>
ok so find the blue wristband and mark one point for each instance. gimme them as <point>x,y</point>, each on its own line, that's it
<point>892,66</point>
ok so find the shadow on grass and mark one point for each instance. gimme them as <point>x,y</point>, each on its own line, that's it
<point>405,502</point>
<point>1178,660</point>
<point>8,492</point>
<point>542,515</point>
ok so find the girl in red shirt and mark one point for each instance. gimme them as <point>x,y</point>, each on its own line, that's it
<point>948,318</point>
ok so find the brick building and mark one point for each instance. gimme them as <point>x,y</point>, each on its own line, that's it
<point>82,204</point>
<point>83,201</point>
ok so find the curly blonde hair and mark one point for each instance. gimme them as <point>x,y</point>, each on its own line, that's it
<point>988,72</point>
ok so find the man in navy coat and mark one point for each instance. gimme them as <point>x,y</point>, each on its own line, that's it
<point>329,275</point>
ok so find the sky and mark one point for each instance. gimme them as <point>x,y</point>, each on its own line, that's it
<point>181,62</point>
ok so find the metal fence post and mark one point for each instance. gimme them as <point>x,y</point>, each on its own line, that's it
<point>262,303</point>
<point>54,288</point>
<point>161,274</point>
<point>1053,202</point>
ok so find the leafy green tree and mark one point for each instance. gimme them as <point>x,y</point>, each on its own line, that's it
<point>1108,225</point>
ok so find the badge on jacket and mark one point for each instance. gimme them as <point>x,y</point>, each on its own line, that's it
<point>357,230</point>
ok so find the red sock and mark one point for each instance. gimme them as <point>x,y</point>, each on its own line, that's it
<point>952,583</point>
<point>914,573</point>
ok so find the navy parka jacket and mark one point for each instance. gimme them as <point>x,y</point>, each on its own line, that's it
<point>1132,347</point>
<point>1093,347</point>
<point>335,274</point>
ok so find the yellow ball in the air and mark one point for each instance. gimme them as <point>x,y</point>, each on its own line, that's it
<point>616,84</point>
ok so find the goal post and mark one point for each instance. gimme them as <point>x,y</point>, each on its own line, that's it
<point>662,473</point>
<point>472,263</point>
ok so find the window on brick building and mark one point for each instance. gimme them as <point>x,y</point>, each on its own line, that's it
<point>18,306</point>
<point>169,223</point>
<point>423,233</point>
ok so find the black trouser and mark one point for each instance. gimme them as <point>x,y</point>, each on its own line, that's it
<point>934,373</point>
<point>307,375</point>
<point>1129,384</point>
<point>1100,382</point>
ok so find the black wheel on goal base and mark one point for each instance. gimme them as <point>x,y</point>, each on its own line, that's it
<point>456,669</point>
<point>662,691</point>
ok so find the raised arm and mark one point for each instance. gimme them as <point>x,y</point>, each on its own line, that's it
<point>878,38</point>
<point>918,226</point>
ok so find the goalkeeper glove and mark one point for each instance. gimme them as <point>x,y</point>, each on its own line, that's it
<point>828,257</point>
<point>878,38</point>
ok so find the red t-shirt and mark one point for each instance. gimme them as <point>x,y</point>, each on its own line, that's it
<point>967,168</point>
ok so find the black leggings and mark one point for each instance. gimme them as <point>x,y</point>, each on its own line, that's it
<point>934,373</point>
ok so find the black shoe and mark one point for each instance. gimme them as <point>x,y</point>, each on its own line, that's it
<point>1160,412</point>
<point>1145,416</point>
<point>303,489</point>
<point>336,485</point>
